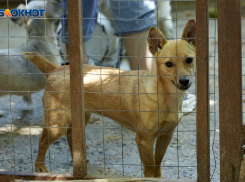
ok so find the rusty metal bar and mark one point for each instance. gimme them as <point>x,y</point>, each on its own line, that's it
<point>230,88</point>
<point>7,176</point>
<point>11,176</point>
<point>76,87</point>
<point>202,57</point>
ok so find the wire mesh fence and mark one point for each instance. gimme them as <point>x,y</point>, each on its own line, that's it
<point>115,35</point>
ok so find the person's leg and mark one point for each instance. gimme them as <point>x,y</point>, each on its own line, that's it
<point>132,20</point>
<point>140,56</point>
<point>89,22</point>
<point>165,23</point>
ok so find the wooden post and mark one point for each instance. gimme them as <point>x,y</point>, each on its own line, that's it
<point>230,88</point>
<point>202,59</point>
<point>76,87</point>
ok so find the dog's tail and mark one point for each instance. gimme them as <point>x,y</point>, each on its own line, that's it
<point>42,64</point>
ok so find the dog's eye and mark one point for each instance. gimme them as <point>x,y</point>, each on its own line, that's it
<point>189,60</point>
<point>169,64</point>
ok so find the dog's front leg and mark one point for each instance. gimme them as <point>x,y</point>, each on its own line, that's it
<point>161,147</point>
<point>145,142</point>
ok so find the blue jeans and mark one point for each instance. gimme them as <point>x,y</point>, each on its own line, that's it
<point>130,17</point>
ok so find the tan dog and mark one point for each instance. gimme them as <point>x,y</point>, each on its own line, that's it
<point>152,115</point>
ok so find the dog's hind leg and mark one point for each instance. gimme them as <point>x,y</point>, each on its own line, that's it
<point>54,129</point>
<point>45,141</point>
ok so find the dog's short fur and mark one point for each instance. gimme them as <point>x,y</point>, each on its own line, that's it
<point>159,101</point>
<point>16,71</point>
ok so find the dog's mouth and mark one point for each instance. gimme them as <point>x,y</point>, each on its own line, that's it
<point>182,88</point>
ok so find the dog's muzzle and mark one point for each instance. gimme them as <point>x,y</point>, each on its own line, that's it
<point>184,83</point>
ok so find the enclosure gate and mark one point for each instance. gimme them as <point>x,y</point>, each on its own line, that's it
<point>231,129</point>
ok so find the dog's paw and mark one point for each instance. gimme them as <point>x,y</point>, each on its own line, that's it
<point>41,168</point>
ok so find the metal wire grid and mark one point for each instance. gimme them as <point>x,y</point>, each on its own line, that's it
<point>123,164</point>
<point>214,96</point>
<point>136,111</point>
<point>29,125</point>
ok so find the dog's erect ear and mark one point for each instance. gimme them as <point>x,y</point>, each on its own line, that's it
<point>189,32</point>
<point>53,9</point>
<point>20,20</point>
<point>155,40</point>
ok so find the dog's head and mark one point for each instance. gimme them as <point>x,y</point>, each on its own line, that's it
<point>36,26</point>
<point>175,58</point>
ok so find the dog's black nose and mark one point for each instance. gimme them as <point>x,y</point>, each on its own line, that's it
<point>184,81</point>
